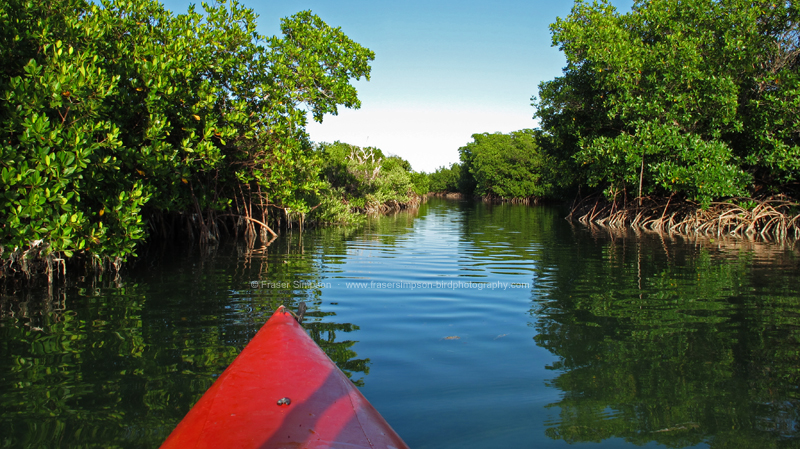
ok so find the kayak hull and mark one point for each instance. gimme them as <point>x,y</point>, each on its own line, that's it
<point>283,391</point>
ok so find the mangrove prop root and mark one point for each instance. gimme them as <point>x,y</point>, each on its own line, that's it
<point>252,220</point>
<point>772,217</point>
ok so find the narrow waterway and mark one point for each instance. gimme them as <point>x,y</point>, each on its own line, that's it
<point>466,325</point>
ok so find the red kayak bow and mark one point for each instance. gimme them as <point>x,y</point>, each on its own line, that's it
<point>282,391</point>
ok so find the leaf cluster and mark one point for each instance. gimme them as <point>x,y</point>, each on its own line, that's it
<point>117,111</point>
<point>505,165</point>
<point>446,179</point>
<point>365,179</point>
<point>697,98</point>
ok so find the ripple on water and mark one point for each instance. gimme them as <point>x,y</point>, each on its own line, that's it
<point>605,340</point>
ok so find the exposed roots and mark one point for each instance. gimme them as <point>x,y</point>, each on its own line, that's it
<point>391,206</point>
<point>490,199</point>
<point>36,262</point>
<point>494,199</point>
<point>448,195</point>
<point>775,217</point>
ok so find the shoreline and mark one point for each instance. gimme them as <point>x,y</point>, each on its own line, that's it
<point>770,218</point>
<point>776,217</point>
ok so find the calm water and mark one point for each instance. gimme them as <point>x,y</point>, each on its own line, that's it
<point>466,325</point>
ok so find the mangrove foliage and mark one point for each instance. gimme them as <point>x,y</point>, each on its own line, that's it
<point>120,120</point>
<point>365,180</point>
<point>680,116</point>
<point>697,100</point>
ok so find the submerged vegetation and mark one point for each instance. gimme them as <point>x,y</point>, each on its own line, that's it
<point>121,121</point>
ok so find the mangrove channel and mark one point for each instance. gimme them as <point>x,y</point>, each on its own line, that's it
<point>467,325</point>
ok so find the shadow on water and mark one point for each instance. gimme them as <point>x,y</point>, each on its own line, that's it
<point>119,363</point>
<point>672,340</point>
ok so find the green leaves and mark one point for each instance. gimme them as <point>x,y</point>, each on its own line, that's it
<point>364,179</point>
<point>112,109</point>
<point>506,165</point>
<point>676,97</point>
<point>315,62</point>
<point>51,129</point>
<point>445,179</point>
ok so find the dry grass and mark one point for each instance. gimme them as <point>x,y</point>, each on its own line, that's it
<point>769,218</point>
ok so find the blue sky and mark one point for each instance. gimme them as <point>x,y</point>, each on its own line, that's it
<point>443,69</point>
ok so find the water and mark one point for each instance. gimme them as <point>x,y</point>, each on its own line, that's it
<point>465,325</point>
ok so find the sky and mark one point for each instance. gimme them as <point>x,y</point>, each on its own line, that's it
<point>443,70</point>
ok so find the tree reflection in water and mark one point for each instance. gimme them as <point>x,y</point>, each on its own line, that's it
<point>673,343</point>
<point>121,361</point>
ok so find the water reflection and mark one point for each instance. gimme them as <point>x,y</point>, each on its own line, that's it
<point>673,341</point>
<point>119,363</point>
<point>612,338</point>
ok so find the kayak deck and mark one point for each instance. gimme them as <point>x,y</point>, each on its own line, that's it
<point>283,391</point>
